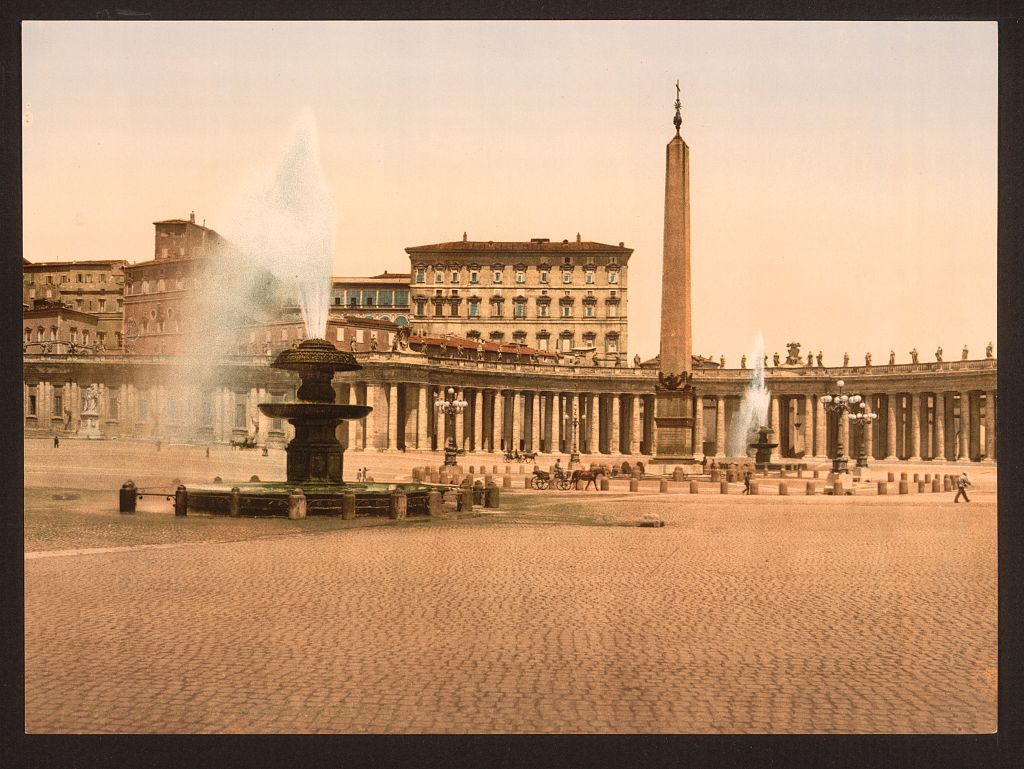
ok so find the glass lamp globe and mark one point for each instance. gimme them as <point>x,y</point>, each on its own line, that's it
<point>826,398</point>
<point>840,383</point>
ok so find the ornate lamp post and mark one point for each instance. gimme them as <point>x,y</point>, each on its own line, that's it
<point>573,421</point>
<point>863,419</point>
<point>852,408</point>
<point>447,405</point>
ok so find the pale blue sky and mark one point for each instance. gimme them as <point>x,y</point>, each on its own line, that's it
<point>843,175</point>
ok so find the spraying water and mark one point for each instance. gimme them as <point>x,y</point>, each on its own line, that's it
<point>285,223</point>
<point>753,411</point>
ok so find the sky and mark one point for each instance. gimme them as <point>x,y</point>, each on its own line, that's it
<point>842,183</point>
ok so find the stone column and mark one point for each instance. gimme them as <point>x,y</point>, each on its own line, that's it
<point>869,427</point>
<point>594,425</point>
<point>844,429</point>
<point>499,420</point>
<point>392,397</point>
<point>375,395</point>
<point>940,427</point>
<point>719,427</point>
<point>891,404</point>
<point>820,429</point>
<point>535,421</point>
<point>775,457</point>
<point>698,427</point>
<point>915,427</point>
<point>516,418</point>
<point>460,422</point>
<point>990,426</point>
<point>422,422</point>
<point>965,427</point>
<point>614,425</point>
<point>557,423</point>
<point>808,425</point>
<point>634,427</point>
<point>478,420</point>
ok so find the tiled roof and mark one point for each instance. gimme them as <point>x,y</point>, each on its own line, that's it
<point>472,344</point>
<point>518,246</point>
<point>72,263</point>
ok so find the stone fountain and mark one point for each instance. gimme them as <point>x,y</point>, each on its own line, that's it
<point>762,448</point>
<point>315,455</point>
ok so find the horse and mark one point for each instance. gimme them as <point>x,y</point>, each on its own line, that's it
<point>590,476</point>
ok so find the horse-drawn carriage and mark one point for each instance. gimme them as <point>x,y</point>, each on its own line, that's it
<point>520,456</point>
<point>563,480</point>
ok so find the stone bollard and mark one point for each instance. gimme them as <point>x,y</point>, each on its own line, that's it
<point>348,505</point>
<point>947,484</point>
<point>296,504</point>
<point>488,480</point>
<point>837,488</point>
<point>634,484</point>
<point>904,487</point>
<point>604,483</point>
<point>180,501</point>
<point>927,477</point>
<point>892,478</point>
<point>694,488</point>
<point>816,474</point>
<point>472,469</point>
<point>917,478</point>
<point>508,469</point>
<point>127,497</point>
<point>506,482</point>
<point>716,475</point>
<point>398,505</point>
<point>450,500</point>
<point>235,502</point>
<point>678,475</point>
<point>936,486</point>
<point>417,476</point>
<point>522,469</point>
<point>810,488</point>
<point>921,487</point>
<point>799,472</point>
<point>434,503</point>
<point>753,486</point>
<point>526,483</point>
<point>217,479</point>
<point>782,472</point>
<point>783,489</point>
<point>723,487</point>
<point>467,494</point>
<point>663,486</point>
<point>493,496</point>
<point>730,476</point>
<point>883,488</point>
<point>904,477</point>
<point>494,470</point>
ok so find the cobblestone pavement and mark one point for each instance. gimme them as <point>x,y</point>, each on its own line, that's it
<point>764,614</point>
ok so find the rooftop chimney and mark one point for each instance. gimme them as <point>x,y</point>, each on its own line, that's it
<point>463,237</point>
<point>577,237</point>
<point>192,217</point>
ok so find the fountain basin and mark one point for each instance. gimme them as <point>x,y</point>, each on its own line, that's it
<point>337,411</point>
<point>270,499</point>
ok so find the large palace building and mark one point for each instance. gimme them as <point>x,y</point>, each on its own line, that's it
<point>532,335</point>
<point>567,296</point>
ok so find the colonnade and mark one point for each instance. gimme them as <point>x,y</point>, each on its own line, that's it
<point>498,419</point>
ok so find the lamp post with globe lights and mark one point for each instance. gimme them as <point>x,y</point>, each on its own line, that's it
<point>851,408</point>
<point>449,405</point>
<point>573,422</point>
<point>863,420</point>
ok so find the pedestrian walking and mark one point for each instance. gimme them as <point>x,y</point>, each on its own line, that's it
<point>56,442</point>
<point>962,484</point>
<point>704,464</point>
<point>746,481</point>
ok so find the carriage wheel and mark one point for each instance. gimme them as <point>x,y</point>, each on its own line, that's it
<point>507,458</point>
<point>564,484</point>
<point>539,483</point>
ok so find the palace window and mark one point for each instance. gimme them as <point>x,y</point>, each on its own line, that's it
<point>474,309</point>
<point>58,402</point>
<point>543,310</point>
<point>437,309</point>
<point>208,412</point>
<point>588,310</point>
<point>337,301</point>
<point>32,405</point>
<point>519,336</point>
<point>497,276</point>
<point>544,276</point>
<point>455,276</point>
<point>613,276</point>
<point>438,276</point>
<point>566,310</point>
<point>590,276</point>
<point>421,276</point>
<point>474,276</point>
<point>613,309</point>
<point>143,410</point>
<point>520,276</point>
<point>239,412</point>
<point>520,310</point>
<point>113,406</point>
<point>384,297</point>
<point>421,308</point>
<point>566,277</point>
<point>401,298</point>
<point>542,342</point>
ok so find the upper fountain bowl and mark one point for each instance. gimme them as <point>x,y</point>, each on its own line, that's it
<point>315,355</point>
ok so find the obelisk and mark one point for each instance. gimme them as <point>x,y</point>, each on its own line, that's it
<point>674,395</point>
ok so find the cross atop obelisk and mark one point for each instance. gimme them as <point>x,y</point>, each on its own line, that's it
<point>678,119</point>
